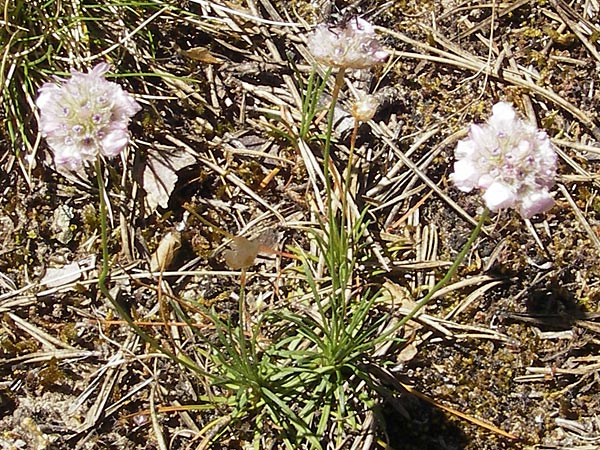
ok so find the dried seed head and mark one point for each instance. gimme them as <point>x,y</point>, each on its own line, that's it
<point>242,254</point>
<point>365,107</point>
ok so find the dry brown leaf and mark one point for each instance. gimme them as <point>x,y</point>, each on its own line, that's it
<point>201,54</point>
<point>400,297</point>
<point>164,254</point>
<point>397,296</point>
<point>160,175</point>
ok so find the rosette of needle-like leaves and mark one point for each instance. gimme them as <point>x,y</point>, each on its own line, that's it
<point>328,349</point>
<point>249,373</point>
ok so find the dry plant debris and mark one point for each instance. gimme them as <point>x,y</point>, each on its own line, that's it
<point>513,341</point>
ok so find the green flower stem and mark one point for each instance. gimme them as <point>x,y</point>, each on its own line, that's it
<point>351,157</point>
<point>336,232</point>
<point>104,236</point>
<point>451,271</point>
<point>339,81</point>
<point>104,275</point>
<point>347,195</point>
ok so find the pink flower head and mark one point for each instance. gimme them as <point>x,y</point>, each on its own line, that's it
<point>354,47</point>
<point>512,161</point>
<point>84,116</point>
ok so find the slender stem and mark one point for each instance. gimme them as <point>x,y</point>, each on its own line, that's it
<point>451,271</point>
<point>346,195</point>
<point>103,233</point>
<point>351,156</point>
<point>339,81</point>
<point>104,275</point>
<point>334,238</point>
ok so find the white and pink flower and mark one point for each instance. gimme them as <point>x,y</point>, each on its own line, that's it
<point>512,161</point>
<point>85,116</point>
<point>355,46</point>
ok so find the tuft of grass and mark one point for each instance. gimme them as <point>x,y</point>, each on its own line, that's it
<point>30,37</point>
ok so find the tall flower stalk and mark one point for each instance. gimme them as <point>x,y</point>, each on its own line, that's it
<point>82,119</point>
<point>513,162</point>
<point>352,46</point>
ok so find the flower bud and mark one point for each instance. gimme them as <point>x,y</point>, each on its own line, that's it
<point>365,107</point>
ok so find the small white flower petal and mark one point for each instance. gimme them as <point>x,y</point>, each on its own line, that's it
<point>485,181</point>
<point>499,196</point>
<point>68,156</point>
<point>481,137</point>
<point>47,91</point>
<point>503,116</point>
<point>465,149</point>
<point>465,175</point>
<point>535,203</point>
<point>360,25</point>
<point>114,142</point>
<point>100,69</point>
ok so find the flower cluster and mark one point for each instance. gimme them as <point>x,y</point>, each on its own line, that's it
<point>514,162</point>
<point>353,47</point>
<point>85,116</point>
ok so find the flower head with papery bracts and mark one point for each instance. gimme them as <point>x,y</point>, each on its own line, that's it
<point>512,161</point>
<point>354,46</point>
<point>365,107</point>
<point>85,116</point>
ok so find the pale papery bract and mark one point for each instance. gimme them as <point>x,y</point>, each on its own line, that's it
<point>355,46</point>
<point>512,161</point>
<point>365,107</point>
<point>85,116</point>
